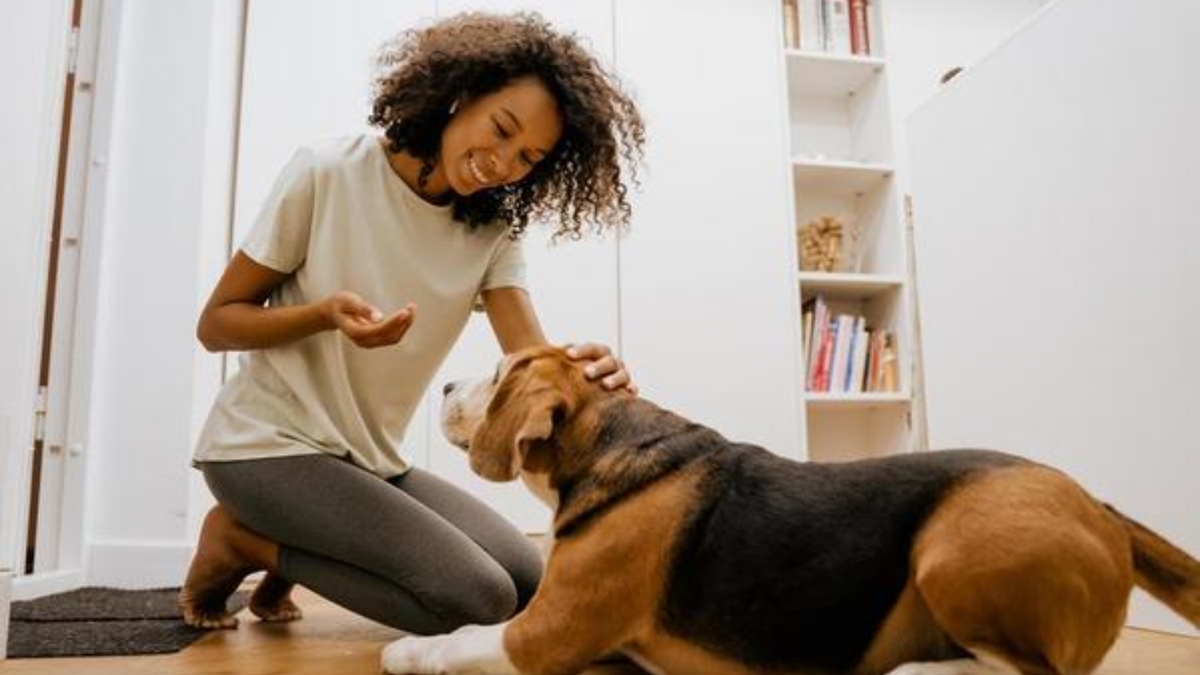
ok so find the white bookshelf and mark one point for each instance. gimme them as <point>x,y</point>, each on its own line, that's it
<point>842,164</point>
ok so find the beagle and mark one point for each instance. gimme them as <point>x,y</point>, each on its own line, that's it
<point>696,555</point>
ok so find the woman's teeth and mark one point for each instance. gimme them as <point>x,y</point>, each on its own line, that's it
<point>476,172</point>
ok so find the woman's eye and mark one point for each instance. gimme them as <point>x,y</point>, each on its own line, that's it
<point>500,130</point>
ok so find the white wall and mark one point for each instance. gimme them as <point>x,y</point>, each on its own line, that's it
<point>167,174</point>
<point>709,301</point>
<point>32,68</point>
<point>1058,241</point>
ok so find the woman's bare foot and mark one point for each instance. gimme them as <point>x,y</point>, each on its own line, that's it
<point>227,552</point>
<point>272,600</point>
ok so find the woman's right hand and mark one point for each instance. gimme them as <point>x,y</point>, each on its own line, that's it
<point>364,324</point>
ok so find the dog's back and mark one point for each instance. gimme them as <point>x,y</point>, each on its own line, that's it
<point>813,556</point>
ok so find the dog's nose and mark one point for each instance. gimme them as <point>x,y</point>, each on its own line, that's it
<point>447,389</point>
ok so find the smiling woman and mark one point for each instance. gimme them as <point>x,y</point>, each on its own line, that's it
<point>488,121</point>
<point>506,102</point>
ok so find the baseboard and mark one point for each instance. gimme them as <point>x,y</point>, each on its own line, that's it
<point>127,564</point>
<point>45,583</point>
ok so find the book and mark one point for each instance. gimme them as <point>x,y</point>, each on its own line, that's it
<point>889,369</point>
<point>859,355</point>
<point>818,335</point>
<point>812,32</point>
<point>791,24</point>
<point>837,26</point>
<point>860,41</point>
<point>840,361</point>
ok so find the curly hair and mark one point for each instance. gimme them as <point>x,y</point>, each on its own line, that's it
<point>420,73</point>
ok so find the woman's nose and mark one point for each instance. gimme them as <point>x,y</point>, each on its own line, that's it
<point>501,164</point>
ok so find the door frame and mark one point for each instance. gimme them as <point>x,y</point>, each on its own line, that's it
<point>69,318</point>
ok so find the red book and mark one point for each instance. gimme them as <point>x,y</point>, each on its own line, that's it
<point>860,40</point>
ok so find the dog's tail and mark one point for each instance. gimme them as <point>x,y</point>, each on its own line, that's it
<point>1163,569</point>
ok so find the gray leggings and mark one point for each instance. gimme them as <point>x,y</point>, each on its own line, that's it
<point>412,552</point>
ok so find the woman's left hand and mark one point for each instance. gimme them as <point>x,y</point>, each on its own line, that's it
<point>604,366</point>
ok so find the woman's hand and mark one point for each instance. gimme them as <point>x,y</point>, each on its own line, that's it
<point>363,323</point>
<point>604,366</point>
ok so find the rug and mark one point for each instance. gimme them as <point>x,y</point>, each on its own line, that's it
<point>103,622</point>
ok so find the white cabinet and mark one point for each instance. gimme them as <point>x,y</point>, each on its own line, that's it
<point>1058,250</point>
<point>709,307</point>
<point>842,159</point>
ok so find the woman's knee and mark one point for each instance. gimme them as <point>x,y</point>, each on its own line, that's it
<point>484,599</point>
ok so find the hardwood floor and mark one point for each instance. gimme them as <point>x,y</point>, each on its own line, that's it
<point>332,641</point>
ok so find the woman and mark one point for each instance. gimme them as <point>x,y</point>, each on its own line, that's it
<point>348,293</point>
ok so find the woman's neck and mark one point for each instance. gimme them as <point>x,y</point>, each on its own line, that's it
<point>408,168</point>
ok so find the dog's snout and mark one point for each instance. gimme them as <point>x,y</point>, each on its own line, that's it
<point>447,389</point>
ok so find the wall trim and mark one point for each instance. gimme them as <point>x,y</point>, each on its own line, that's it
<point>45,583</point>
<point>132,564</point>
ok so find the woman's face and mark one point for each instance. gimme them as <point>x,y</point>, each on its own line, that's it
<point>498,138</point>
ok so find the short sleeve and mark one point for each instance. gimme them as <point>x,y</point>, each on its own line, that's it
<point>279,237</point>
<point>507,268</point>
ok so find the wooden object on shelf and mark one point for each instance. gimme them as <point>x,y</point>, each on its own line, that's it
<point>820,244</point>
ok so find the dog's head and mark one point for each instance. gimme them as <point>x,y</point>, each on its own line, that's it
<point>508,423</point>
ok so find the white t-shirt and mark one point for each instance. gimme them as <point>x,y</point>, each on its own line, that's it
<point>339,218</point>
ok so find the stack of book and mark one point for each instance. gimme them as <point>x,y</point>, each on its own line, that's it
<point>834,26</point>
<point>842,354</point>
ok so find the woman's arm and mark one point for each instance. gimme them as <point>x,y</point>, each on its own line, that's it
<point>235,317</point>
<point>516,327</point>
<point>512,317</point>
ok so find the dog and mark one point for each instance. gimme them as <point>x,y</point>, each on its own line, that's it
<point>695,555</point>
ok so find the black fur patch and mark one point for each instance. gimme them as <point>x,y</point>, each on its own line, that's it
<point>637,444</point>
<point>785,565</point>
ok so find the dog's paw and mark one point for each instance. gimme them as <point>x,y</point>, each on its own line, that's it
<point>415,655</point>
<point>958,667</point>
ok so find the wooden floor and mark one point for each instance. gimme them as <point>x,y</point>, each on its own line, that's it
<point>332,641</point>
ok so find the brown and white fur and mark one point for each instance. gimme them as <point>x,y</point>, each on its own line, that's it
<point>696,555</point>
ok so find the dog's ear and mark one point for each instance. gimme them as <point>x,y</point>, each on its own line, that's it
<point>517,420</point>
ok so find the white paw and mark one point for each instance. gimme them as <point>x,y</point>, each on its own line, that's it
<point>470,650</point>
<point>917,669</point>
<point>420,655</point>
<point>957,667</point>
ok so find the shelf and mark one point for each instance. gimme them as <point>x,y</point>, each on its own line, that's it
<point>834,401</point>
<point>836,176</point>
<point>856,286</point>
<point>829,75</point>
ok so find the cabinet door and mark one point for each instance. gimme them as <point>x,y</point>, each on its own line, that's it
<point>709,301</point>
<point>573,283</point>
<point>1058,253</point>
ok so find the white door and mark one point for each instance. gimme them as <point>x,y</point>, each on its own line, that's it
<point>1058,254</point>
<point>307,76</point>
<point>53,539</point>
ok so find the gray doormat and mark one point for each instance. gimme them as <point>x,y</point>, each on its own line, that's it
<point>103,622</point>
